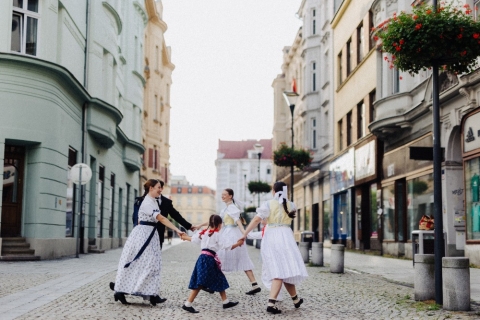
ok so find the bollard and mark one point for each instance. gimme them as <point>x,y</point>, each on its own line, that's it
<point>317,253</point>
<point>424,277</point>
<point>337,258</point>
<point>456,283</point>
<point>304,250</point>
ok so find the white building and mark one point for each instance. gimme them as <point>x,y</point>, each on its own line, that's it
<point>237,164</point>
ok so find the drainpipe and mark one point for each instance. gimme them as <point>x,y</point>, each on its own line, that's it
<point>84,127</point>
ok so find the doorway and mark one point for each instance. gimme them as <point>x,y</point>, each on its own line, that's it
<point>12,195</point>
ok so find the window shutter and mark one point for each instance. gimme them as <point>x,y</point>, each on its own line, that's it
<point>150,157</point>
<point>156,164</point>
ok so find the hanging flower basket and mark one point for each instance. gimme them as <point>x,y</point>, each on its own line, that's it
<point>259,187</point>
<point>447,36</point>
<point>285,156</point>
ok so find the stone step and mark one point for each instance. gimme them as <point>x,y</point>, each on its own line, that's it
<point>15,245</point>
<point>94,249</point>
<point>19,258</point>
<point>14,250</point>
<point>14,239</point>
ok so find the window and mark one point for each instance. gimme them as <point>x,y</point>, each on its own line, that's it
<point>420,201</point>
<point>25,27</point>
<point>340,135</point>
<point>189,190</point>
<point>349,128</point>
<point>314,76</point>
<point>269,170</point>
<point>314,133</point>
<point>476,9</point>
<point>71,194</point>
<point>155,108</point>
<point>179,190</point>
<point>396,81</point>
<point>127,208</point>
<point>200,201</point>
<point>200,190</point>
<point>360,41</point>
<point>360,120</point>
<point>371,43</point>
<point>349,56</point>
<point>100,184</point>
<point>371,100</point>
<point>157,58</point>
<point>340,68</point>
<point>314,22</point>
<point>111,205</point>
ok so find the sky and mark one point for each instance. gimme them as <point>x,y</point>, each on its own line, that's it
<point>226,55</point>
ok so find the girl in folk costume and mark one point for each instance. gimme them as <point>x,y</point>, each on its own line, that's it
<point>140,264</point>
<point>282,261</point>
<point>236,260</point>
<point>207,272</point>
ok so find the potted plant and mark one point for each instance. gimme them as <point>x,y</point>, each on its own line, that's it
<point>259,187</point>
<point>447,36</point>
<point>285,156</point>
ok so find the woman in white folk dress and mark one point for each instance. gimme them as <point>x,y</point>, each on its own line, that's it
<point>238,259</point>
<point>139,268</point>
<point>282,262</point>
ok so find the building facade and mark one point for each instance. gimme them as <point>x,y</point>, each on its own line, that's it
<point>237,164</point>
<point>308,70</point>
<point>195,203</point>
<point>403,119</point>
<point>156,115</point>
<point>72,92</point>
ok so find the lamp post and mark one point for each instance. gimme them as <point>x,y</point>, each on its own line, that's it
<point>258,150</point>
<point>439,249</point>
<point>291,99</point>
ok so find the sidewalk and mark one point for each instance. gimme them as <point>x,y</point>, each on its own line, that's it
<point>396,270</point>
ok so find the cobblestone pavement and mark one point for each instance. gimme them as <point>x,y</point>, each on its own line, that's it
<point>352,295</point>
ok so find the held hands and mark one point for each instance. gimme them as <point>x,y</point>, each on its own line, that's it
<point>193,228</point>
<point>180,233</point>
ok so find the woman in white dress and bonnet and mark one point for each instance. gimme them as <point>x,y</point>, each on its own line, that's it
<point>238,259</point>
<point>281,258</point>
<point>139,268</point>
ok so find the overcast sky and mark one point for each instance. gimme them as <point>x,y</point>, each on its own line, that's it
<point>226,55</point>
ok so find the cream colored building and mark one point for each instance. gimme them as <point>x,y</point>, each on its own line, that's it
<point>195,203</point>
<point>156,115</point>
<point>354,166</point>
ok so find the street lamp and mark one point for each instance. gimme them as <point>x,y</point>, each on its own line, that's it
<point>291,99</point>
<point>258,150</point>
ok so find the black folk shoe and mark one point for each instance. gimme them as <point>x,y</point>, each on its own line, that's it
<point>160,300</point>
<point>273,310</point>
<point>112,286</point>
<point>189,309</point>
<point>253,291</point>
<point>120,296</point>
<point>297,305</point>
<point>229,305</point>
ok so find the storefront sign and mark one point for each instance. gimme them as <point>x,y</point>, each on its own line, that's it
<point>365,161</point>
<point>342,172</point>
<point>471,133</point>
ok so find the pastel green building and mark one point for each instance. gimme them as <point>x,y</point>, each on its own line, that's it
<point>71,91</point>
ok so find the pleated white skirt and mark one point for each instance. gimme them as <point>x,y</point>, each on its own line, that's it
<point>238,258</point>
<point>281,257</point>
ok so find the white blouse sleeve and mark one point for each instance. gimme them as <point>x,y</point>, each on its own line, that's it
<point>264,210</point>
<point>233,212</point>
<point>293,206</point>
<point>150,208</point>
<point>196,238</point>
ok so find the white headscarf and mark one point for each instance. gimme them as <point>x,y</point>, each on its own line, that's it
<point>280,195</point>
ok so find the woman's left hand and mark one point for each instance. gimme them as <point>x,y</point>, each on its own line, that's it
<point>180,233</point>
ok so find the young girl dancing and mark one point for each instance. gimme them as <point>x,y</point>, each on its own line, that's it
<point>281,258</point>
<point>237,260</point>
<point>207,273</point>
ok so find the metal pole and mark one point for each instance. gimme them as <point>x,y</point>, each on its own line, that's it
<point>437,184</point>
<point>437,189</point>
<point>79,222</point>
<point>291,167</point>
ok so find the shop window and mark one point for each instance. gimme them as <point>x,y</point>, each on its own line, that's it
<point>100,191</point>
<point>400,210</point>
<point>419,201</point>
<point>472,197</point>
<point>373,211</point>
<point>388,194</point>
<point>327,227</point>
